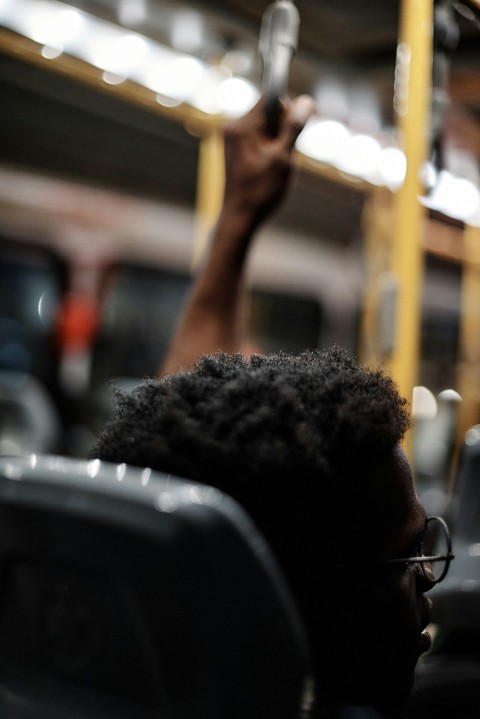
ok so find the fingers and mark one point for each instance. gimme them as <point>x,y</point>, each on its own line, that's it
<point>253,121</point>
<point>297,113</point>
<point>294,116</point>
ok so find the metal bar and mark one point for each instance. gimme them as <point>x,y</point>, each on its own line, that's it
<point>210,187</point>
<point>414,76</point>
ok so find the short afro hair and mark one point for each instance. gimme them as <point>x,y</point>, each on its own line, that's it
<point>280,433</point>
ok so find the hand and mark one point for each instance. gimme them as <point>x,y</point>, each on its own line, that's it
<point>257,164</point>
<point>257,170</point>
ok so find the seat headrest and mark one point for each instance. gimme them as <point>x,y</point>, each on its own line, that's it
<point>126,592</point>
<point>455,600</point>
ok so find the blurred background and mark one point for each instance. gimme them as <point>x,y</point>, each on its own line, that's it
<point>111,174</point>
<point>111,114</point>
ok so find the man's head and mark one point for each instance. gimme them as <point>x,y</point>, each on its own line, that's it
<point>309,445</point>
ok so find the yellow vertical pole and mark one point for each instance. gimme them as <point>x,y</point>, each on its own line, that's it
<point>412,100</point>
<point>210,187</point>
<point>377,246</point>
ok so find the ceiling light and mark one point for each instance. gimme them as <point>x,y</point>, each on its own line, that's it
<point>205,95</point>
<point>168,101</point>
<point>180,78</point>
<point>98,50</point>
<point>323,140</point>
<point>51,24</point>
<point>151,73</point>
<point>236,96</point>
<point>50,53</point>
<point>359,156</point>
<point>111,79</point>
<point>392,167</point>
<point>116,52</point>
<point>38,22</point>
<point>456,197</point>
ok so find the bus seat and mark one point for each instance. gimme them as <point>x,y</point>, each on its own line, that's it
<point>29,420</point>
<point>128,593</point>
<point>456,601</point>
<point>447,679</point>
<point>446,686</point>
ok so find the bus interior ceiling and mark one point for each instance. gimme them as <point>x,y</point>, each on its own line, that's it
<point>102,192</point>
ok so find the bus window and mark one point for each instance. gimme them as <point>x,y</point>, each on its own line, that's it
<point>140,312</point>
<point>440,323</point>
<point>284,322</point>
<point>143,305</point>
<point>31,286</point>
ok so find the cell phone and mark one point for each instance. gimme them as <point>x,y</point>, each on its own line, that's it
<point>277,47</point>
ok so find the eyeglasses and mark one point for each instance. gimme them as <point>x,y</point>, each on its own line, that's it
<point>435,552</point>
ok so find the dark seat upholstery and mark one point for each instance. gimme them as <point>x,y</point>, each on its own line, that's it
<point>457,599</point>
<point>448,679</point>
<point>127,593</point>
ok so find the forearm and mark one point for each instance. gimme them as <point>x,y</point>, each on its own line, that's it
<point>257,171</point>
<point>213,318</point>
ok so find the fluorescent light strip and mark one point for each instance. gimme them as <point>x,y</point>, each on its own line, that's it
<point>178,78</point>
<point>123,54</point>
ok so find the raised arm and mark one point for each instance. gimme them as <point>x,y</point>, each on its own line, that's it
<point>257,168</point>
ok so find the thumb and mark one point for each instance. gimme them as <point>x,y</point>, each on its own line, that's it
<point>297,113</point>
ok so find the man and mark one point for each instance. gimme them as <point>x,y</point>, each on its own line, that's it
<point>309,445</point>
